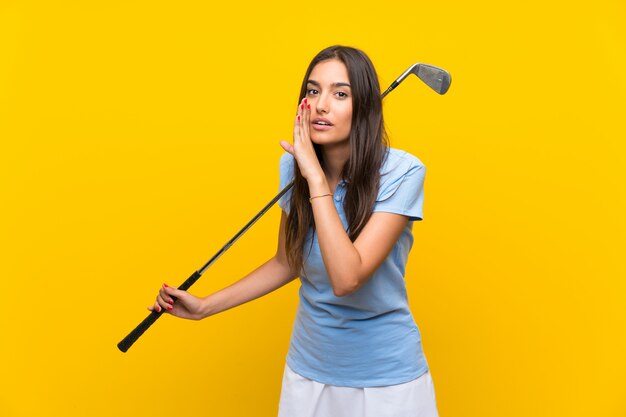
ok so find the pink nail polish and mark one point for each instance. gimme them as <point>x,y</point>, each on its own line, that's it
<point>305,101</point>
<point>298,117</point>
<point>170,308</point>
<point>302,106</point>
<point>308,106</point>
<point>165,285</point>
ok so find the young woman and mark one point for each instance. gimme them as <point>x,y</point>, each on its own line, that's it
<point>346,231</point>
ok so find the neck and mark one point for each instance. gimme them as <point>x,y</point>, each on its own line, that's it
<point>335,157</point>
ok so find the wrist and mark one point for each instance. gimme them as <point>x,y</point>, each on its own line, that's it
<point>208,307</point>
<point>318,186</point>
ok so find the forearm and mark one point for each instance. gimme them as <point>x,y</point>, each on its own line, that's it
<point>341,258</point>
<point>268,277</point>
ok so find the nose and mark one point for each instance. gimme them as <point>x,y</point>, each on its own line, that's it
<point>321,106</point>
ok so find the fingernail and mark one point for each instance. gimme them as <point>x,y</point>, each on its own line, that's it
<point>159,309</point>
<point>308,106</point>
<point>170,308</point>
<point>165,285</point>
<point>298,117</point>
<point>302,106</point>
<point>305,101</point>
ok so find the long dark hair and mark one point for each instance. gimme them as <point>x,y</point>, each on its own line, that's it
<point>368,144</point>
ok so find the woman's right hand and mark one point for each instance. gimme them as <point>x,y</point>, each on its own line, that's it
<point>302,148</point>
<point>186,306</point>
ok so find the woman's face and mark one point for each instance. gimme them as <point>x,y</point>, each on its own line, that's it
<point>330,97</point>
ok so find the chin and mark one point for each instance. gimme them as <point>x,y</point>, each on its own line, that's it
<point>326,140</point>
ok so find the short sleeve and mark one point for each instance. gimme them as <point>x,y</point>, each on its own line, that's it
<point>402,187</point>
<point>286,176</point>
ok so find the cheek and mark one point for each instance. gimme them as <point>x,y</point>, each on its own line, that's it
<point>347,121</point>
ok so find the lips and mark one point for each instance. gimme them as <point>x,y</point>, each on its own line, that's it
<point>320,121</point>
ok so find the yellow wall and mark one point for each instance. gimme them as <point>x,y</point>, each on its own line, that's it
<point>138,137</point>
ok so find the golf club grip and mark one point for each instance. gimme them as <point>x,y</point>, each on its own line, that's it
<point>132,337</point>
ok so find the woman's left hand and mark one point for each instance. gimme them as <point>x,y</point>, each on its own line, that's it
<point>186,306</point>
<point>302,148</point>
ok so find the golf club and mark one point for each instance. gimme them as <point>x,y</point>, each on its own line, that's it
<point>436,78</point>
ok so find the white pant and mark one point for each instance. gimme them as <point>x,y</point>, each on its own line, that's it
<point>302,397</point>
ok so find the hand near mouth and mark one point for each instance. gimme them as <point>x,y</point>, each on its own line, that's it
<point>302,148</point>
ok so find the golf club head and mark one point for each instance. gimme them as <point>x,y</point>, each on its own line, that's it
<point>436,78</point>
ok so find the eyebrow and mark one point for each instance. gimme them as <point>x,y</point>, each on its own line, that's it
<point>337,84</point>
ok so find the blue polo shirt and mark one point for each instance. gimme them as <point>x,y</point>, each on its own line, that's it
<point>368,338</point>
